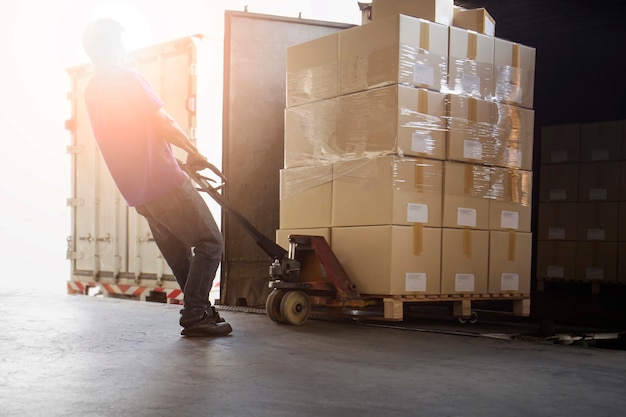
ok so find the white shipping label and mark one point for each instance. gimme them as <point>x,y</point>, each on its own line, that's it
<point>556,233</point>
<point>509,219</point>
<point>417,213</point>
<point>415,281</point>
<point>464,282</point>
<point>422,143</point>
<point>595,234</point>
<point>600,154</point>
<point>598,194</point>
<point>595,273</point>
<point>466,217</point>
<point>555,271</point>
<point>509,282</point>
<point>470,84</point>
<point>558,194</point>
<point>423,74</point>
<point>558,156</point>
<point>472,149</point>
<point>513,157</point>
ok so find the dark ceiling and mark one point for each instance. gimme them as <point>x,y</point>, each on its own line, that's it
<point>581,53</point>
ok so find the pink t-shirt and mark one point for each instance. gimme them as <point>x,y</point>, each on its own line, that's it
<point>122,106</point>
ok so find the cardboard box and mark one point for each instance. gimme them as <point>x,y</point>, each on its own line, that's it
<point>514,134</point>
<point>557,221</point>
<point>510,256</point>
<point>599,181</point>
<point>282,235</point>
<point>556,259</point>
<point>601,141</point>
<point>466,195</point>
<point>514,73</point>
<point>598,222</point>
<point>305,197</point>
<point>560,144</point>
<point>440,11</point>
<point>596,261</point>
<point>470,62</point>
<point>511,200</point>
<point>390,260</point>
<point>621,234</point>
<point>558,183</point>
<point>621,262</point>
<point>387,190</point>
<point>471,134</point>
<point>313,70</point>
<point>478,20</point>
<point>464,261</point>
<point>397,50</point>
<point>394,119</point>
<point>310,132</point>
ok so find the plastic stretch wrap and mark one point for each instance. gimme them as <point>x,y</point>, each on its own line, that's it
<point>514,73</point>
<point>396,50</point>
<point>470,64</point>
<point>391,120</point>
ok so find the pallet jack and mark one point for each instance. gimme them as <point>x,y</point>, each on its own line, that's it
<point>308,273</point>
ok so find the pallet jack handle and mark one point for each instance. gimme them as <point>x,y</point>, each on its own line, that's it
<point>271,248</point>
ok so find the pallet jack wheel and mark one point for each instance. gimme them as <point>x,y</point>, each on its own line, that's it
<point>472,319</point>
<point>272,306</point>
<point>295,307</point>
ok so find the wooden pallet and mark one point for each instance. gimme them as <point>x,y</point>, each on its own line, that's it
<point>461,304</point>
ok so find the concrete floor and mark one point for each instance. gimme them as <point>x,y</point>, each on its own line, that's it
<point>85,356</point>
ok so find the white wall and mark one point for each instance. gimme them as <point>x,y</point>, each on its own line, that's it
<point>39,39</point>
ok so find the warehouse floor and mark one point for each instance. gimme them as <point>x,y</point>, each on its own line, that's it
<point>88,356</point>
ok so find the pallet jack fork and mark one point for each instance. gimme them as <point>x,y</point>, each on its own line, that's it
<point>309,273</point>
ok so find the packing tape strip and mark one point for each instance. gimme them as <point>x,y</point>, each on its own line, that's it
<point>472,46</point>
<point>515,56</point>
<point>424,35</point>
<point>512,245</point>
<point>422,101</point>
<point>418,179</point>
<point>418,239</point>
<point>468,179</point>
<point>467,242</point>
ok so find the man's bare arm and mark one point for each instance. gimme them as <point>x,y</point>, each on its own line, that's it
<point>174,134</point>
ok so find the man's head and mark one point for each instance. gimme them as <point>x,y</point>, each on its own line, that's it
<point>102,41</point>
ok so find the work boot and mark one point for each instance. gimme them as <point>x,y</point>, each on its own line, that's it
<point>210,325</point>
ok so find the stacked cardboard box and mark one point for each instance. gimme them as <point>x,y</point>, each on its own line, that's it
<point>582,209</point>
<point>408,144</point>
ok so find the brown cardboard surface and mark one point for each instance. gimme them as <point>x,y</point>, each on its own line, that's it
<point>556,259</point>
<point>560,143</point>
<point>598,221</point>
<point>514,73</point>
<point>558,183</point>
<point>466,195</point>
<point>310,132</point>
<point>557,221</point>
<point>393,119</point>
<point>440,11</point>
<point>596,261</point>
<point>390,260</point>
<point>515,137</point>
<point>313,70</point>
<point>478,20</point>
<point>509,262</point>
<point>471,135</point>
<point>470,62</point>
<point>305,197</point>
<point>599,181</point>
<point>601,141</point>
<point>464,261</point>
<point>396,50</point>
<point>387,190</point>
<point>511,199</point>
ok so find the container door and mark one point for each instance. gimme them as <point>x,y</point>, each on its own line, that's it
<point>254,104</point>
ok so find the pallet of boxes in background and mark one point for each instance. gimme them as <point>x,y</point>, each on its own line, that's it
<point>409,145</point>
<point>582,208</point>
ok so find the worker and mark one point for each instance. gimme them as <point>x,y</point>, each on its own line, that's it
<point>134,134</point>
